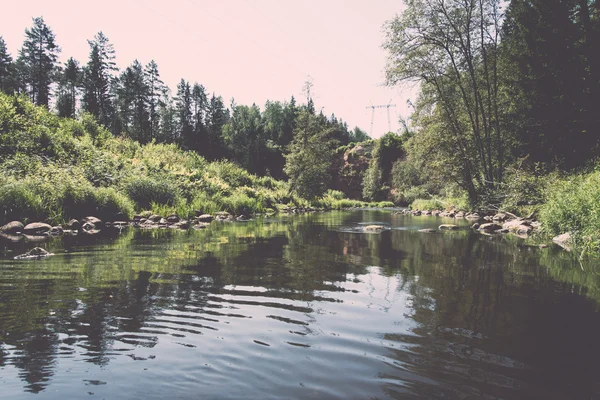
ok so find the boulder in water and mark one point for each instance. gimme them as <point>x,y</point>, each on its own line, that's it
<point>35,253</point>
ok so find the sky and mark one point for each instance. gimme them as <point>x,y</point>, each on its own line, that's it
<point>250,50</point>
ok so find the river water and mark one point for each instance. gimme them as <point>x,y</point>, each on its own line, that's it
<point>299,307</point>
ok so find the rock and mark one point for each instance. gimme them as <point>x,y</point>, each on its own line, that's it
<point>417,213</point>
<point>373,228</point>
<point>500,217</point>
<point>435,213</point>
<point>36,252</point>
<point>473,216</point>
<point>427,230</point>
<point>173,219</point>
<point>490,227</point>
<point>163,221</point>
<point>476,225</point>
<point>459,214</point>
<point>428,212</point>
<point>182,225</point>
<point>12,227</point>
<point>488,218</point>
<point>448,227</point>
<point>518,226</point>
<point>36,228</point>
<point>74,225</point>
<point>120,224</point>
<point>88,226</point>
<point>138,218</point>
<point>205,218</point>
<point>56,231</point>
<point>12,238</point>
<point>154,218</point>
<point>243,218</point>
<point>565,241</point>
<point>93,220</point>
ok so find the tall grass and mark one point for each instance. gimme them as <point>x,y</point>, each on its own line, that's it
<point>573,205</point>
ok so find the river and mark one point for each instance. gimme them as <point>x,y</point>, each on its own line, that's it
<point>299,307</point>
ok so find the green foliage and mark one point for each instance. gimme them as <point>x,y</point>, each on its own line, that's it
<point>573,205</point>
<point>144,191</point>
<point>18,200</point>
<point>309,157</point>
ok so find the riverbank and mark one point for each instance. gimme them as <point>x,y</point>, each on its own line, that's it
<point>55,169</point>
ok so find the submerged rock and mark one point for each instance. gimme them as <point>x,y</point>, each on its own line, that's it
<point>36,252</point>
<point>490,227</point>
<point>12,227</point>
<point>374,228</point>
<point>450,227</point>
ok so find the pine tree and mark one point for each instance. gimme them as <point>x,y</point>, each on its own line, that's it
<point>6,69</point>
<point>132,102</point>
<point>183,105</point>
<point>216,118</point>
<point>98,75</point>
<point>38,56</point>
<point>69,82</point>
<point>156,91</point>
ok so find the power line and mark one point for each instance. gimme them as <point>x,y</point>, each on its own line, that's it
<point>387,107</point>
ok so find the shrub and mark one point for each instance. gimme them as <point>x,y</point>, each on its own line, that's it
<point>145,191</point>
<point>110,203</point>
<point>573,205</point>
<point>19,202</point>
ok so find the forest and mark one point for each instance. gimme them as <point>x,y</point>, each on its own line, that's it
<point>505,119</point>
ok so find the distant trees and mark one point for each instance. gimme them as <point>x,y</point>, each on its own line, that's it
<point>309,155</point>
<point>135,102</point>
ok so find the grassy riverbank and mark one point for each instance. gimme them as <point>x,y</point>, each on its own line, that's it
<point>54,169</point>
<point>562,203</point>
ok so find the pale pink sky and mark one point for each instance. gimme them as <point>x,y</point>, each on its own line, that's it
<point>252,50</point>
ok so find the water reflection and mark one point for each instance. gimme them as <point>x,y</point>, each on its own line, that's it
<point>299,307</point>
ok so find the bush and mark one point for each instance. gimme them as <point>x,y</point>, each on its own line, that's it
<point>19,202</point>
<point>145,191</point>
<point>110,203</point>
<point>573,205</point>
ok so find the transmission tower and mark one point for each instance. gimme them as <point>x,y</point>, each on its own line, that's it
<point>386,106</point>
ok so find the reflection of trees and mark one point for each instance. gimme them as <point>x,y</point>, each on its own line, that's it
<point>492,321</point>
<point>472,298</point>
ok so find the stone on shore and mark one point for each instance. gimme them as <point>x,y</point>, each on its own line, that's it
<point>490,227</point>
<point>565,241</point>
<point>37,228</point>
<point>12,227</point>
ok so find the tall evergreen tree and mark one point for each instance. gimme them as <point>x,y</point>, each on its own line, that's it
<point>552,77</point>
<point>216,118</point>
<point>183,105</point>
<point>98,74</point>
<point>38,56</point>
<point>132,101</point>
<point>69,82</point>
<point>156,90</point>
<point>6,69</point>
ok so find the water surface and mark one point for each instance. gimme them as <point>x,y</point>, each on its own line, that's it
<point>299,307</point>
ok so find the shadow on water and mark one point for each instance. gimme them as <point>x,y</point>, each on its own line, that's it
<point>303,307</point>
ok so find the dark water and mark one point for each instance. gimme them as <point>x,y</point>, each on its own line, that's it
<point>299,307</point>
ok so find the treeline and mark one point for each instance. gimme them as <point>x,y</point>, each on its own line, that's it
<point>135,103</point>
<point>506,116</point>
<point>500,89</point>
